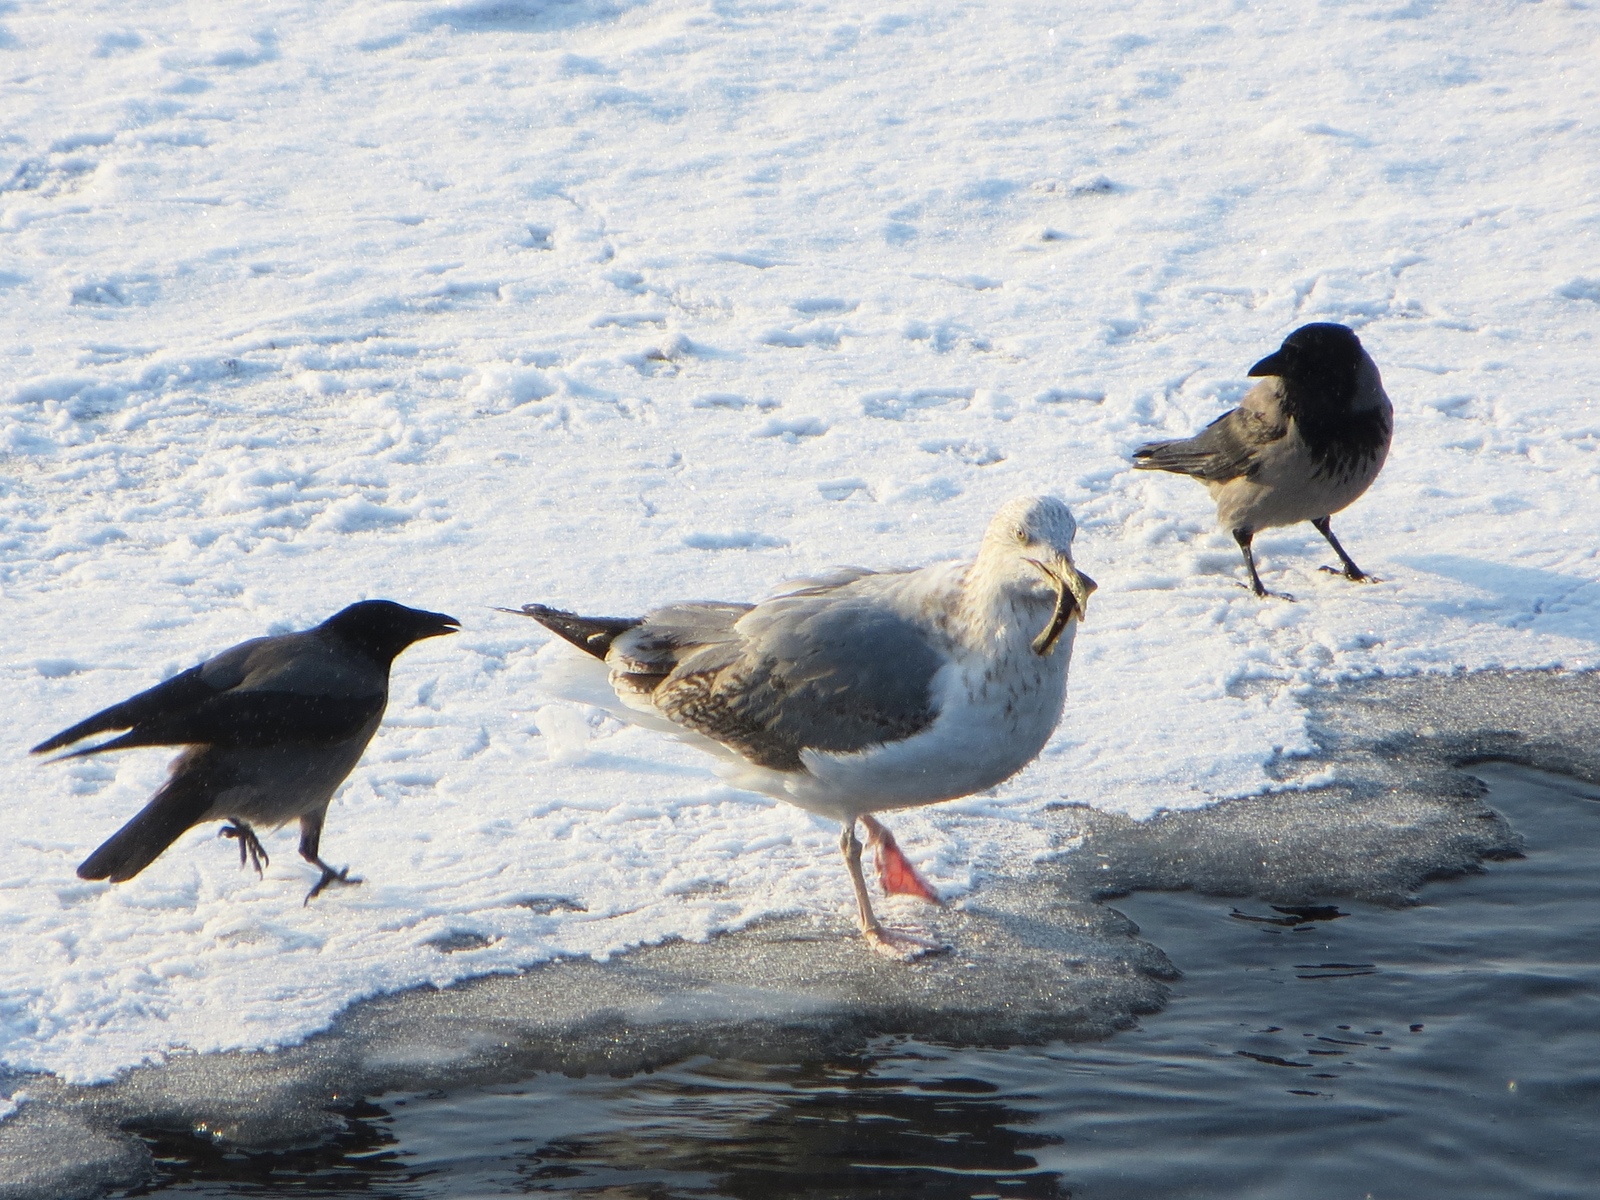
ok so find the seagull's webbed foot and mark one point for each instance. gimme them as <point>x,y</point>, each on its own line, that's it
<point>896,875</point>
<point>329,875</point>
<point>897,944</point>
<point>249,844</point>
<point>901,945</point>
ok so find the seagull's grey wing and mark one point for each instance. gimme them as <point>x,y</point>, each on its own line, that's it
<point>259,693</point>
<point>642,657</point>
<point>825,671</point>
<point>1227,448</point>
<point>828,580</point>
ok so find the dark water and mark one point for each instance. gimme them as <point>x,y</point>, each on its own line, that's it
<point>1447,1050</point>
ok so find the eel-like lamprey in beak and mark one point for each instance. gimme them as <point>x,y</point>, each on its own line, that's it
<point>1072,600</point>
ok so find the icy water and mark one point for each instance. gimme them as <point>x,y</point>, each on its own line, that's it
<point>1451,1049</point>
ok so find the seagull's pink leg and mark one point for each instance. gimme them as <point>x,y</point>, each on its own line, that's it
<point>892,943</point>
<point>895,872</point>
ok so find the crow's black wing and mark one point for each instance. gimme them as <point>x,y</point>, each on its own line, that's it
<point>252,719</point>
<point>1226,449</point>
<point>260,693</point>
<point>180,693</point>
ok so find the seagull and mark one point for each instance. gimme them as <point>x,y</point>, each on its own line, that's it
<point>271,727</point>
<point>1305,443</point>
<point>860,691</point>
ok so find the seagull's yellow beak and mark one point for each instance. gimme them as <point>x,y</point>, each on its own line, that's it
<point>1072,600</point>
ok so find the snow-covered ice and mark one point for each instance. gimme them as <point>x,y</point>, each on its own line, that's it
<point>604,303</point>
<point>1039,959</point>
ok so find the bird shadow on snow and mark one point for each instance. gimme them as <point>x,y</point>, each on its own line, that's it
<point>605,760</point>
<point>1524,595</point>
<point>522,16</point>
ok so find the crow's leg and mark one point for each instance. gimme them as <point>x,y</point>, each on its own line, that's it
<point>1351,572</point>
<point>310,839</point>
<point>892,943</point>
<point>1244,538</point>
<point>249,844</point>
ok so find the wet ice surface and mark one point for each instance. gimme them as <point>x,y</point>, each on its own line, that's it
<point>1287,1057</point>
<point>1444,1049</point>
<point>1040,961</point>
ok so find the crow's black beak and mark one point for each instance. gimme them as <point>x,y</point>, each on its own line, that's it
<point>439,625</point>
<point>1277,363</point>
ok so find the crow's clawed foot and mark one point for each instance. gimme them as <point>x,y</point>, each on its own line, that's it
<point>249,844</point>
<point>902,946</point>
<point>329,875</point>
<point>1353,574</point>
<point>1263,594</point>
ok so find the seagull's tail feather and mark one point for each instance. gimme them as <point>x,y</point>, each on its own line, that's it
<point>180,803</point>
<point>592,635</point>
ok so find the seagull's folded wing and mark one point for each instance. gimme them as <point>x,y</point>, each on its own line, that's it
<point>819,670</point>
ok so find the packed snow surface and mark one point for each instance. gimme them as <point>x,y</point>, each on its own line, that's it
<point>605,305</point>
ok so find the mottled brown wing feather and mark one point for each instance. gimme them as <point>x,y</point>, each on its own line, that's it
<point>819,671</point>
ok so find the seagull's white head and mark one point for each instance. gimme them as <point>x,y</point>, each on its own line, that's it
<point>1027,550</point>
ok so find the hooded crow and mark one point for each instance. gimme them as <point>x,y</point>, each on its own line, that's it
<point>1307,440</point>
<point>271,728</point>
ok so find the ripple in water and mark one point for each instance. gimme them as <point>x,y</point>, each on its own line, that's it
<point>1331,1050</point>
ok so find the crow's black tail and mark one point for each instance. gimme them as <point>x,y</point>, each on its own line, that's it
<point>593,635</point>
<point>179,803</point>
<point>1184,457</point>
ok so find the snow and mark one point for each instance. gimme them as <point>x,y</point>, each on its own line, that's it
<point>610,304</point>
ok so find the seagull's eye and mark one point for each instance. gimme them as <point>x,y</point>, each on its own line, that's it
<point>1020,534</point>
